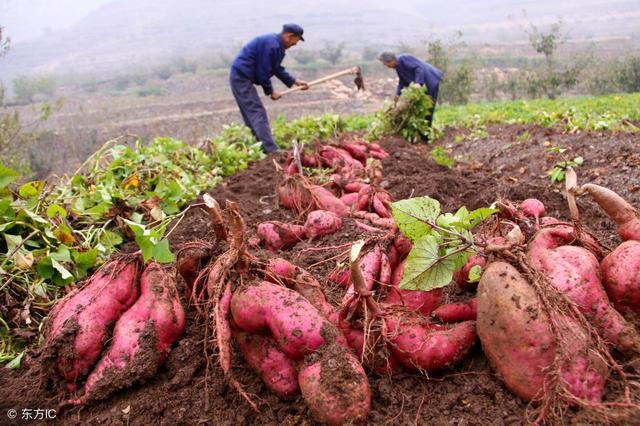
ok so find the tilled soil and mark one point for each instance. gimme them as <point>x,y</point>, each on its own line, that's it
<point>508,163</point>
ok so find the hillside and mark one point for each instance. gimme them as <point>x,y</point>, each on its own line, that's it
<point>122,32</point>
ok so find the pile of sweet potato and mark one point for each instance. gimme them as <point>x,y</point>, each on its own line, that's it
<point>113,331</point>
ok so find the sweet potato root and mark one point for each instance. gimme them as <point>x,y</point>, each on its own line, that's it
<point>516,336</point>
<point>142,337</point>
<point>321,222</point>
<point>461,276</point>
<point>622,213</point>
<point>457,312</point>
<point>335,387</point>
<point>575,272</point>
<point>276,370</point>
<point>621,276</point>
<point>280,236</point>
<point>296,325</point>
<point>419,344</point>
<point>532,207</point>
<point>80,323</point>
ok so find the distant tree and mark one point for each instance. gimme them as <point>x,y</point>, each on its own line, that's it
<point>457,85</point>
<point>552,79</point>
<point>369,53</point>
<point>4,43</point>
<point>628,74</point>
<point>332,53</point>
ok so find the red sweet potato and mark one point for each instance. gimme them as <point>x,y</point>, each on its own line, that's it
<point>325,200</point>
<point>423,302</point>
<point>457,312</point>
<point>142,337</point>
<point>294,195</point>
<point>403,245</point>
<point>80,323</point>
<point>276,370</point>
<point>350,199</point>
<point>335,387</point>
<point>322,222</point>
<point>354,186</point>
<point>575,272</point>
<point>357,151</point>
<point>379,207</point>
<point>308,160</point>
<point>461,276</point>
<point>621,276</point>
<point>517,338</point>
<point>532,207</point>
<point>421,345</point>
<point>341,276</point>
<point>298,328</point>
<point>622,213</point>
<point>280,236</point>
<point>191,260</point>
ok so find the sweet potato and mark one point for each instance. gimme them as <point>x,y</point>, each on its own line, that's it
<point>461,276</point>
<point>349,199</point>
<point>421,345</point>
<point>457,312</point>
<point>341,276</point>
<point>335,387</point>
<point>308,160</point>
<point>80,323</point>
<point>357,151</point>
<point>516,336</point>
<point>621,276</point>
<point>296,325</point>
<point>379,207</point>
<point>423,302</point>
<point>325,200</point>
<point>276,370</point>
<point>622,213</point>
<point>294,195</point>
<point>354,186</point>
<point>280,236</point>
<point>321,222</point>
<point>532,207</point>
<point>142,337</point>
<point>575,272</point>
<point>403,245</point>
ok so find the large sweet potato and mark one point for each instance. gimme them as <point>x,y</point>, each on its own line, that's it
<point>575,272</point>
<point>517,338</point>
<point>321,222</point>
<point>280,236</point>
<point>621,276</point>
<point>80,323</point>
<point>142,337</point>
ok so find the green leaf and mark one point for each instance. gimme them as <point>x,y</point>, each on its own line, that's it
<point>426,269</point>
<point>45,268</point>
<point>14,364</point>
<point>480,215</point>
<point>56,209</point>
<point>13,241</point>
<point>475,273</point>
<point>411,216</point>
<point>85,261</point>
<point>162,253</point>
<point>110,238</point>
<point>7,176</point>
<point>64,273</point>
<point>31,189</point>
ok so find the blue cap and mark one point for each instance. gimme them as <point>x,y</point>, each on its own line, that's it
<point>293,29</point>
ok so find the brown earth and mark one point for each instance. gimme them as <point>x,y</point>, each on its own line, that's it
<point>505,164</point>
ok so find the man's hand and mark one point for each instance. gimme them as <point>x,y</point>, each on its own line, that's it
<point>302,83</point>
<point>275,96</point>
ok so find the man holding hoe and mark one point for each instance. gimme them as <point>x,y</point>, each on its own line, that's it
<point>257,62</point>
<point>412,70</point>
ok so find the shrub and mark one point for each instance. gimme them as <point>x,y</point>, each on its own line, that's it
<point>332,53</point>
<point>164,72</point>
<point>304,57</point>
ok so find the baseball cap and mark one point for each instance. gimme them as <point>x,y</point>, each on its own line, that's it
<point>294,29</point>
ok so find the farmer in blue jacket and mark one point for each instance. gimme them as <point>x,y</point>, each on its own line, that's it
<point>257,62</point>
<point>412,70</point>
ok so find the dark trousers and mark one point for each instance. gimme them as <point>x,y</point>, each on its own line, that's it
<point>253,112</point>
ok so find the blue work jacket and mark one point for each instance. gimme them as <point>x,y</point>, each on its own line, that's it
<point>412,70</point>
<point>261,59</point>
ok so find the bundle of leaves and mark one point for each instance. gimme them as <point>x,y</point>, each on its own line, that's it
<point>407,117</point>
